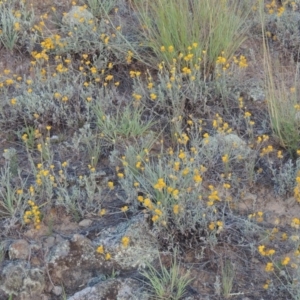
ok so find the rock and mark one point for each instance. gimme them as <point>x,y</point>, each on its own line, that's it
<point>76,16</point>
<point>60,251</point>
<point>76,261</point>
<point>34,233</point>
<point>231,142</point>
<point>54,138</point>
<point>18,279</point>
<point>57,290</point>
<point>49,242</point>
<point>141,248</point>
<point>19,249</point>
<point>119,289</point>
<point>85,223</point>
<point>257,93</point>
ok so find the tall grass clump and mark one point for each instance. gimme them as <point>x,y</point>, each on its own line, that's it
<point>172,27</point>
<point>166,283</point>
<point>283,108</point>
<point>281,96</point>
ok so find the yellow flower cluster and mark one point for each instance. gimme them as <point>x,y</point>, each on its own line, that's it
<point>176,209</point>
<point>218,226</point>
<point>297,188</point>
<point>100,250</point>
<point>183,139</point>
<point>213,196</point>
<point>220,126</point>
<point>110,185</point>
<point>197,177</point>
<point>155,209</point>
<point>102,212</point>
<point>285,261</point>
<point>241,102</point>
<point>262,138</point>
<point>225,158</point>
<point>129,57</point>
<point>44,174</point>
<point>33,214</point>
<point>264,252</point>
<point>259,216</point>
<point>221,60</point>
<point>266,285</point>
<point>272,7</point>
<point>125,241</point>
<point>160,184</point>
<point>134,74</point>
<point>266,150</point>
<point>241,61</point>
<point>295,223</point>
<point>269,267</point>
<point>105,38</point>
<point>39,56</point>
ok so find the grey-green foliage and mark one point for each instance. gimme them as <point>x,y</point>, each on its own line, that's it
<point>287,30</point>
<point>10,198</point>
<point>15,24</point>
<point>284,177</point>
<point>100,8</point>
<point>41,101</point>
<point>2,252</point>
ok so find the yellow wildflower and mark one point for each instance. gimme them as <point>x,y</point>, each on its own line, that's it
<point>125,241</point>
<point>269,267</point>
<point>110,184</point>
<point>176,209</point>
<point>100,249</point>
<point>285,261</point>
<point>160,184</point>
<point>124,208</point>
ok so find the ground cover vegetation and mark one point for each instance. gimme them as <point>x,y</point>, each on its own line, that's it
<point>185,112</point>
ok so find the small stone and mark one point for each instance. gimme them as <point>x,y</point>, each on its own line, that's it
<point>57,290</point>
<point>54,138</point>
<point>35,246</point>
<point>19,249</point>
<point>35,261</point>
<point>49,242</point>
<point>85,223</point>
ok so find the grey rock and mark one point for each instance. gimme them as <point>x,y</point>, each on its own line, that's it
<point>85,223</point>
<point>19,249</point>
<point>18,279</point>
<point>114,289</point>
<point>141,248</point>
<point>57,290</point>
<point>231,142</point>
<point>49,242</point>
<point>60,251</point>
